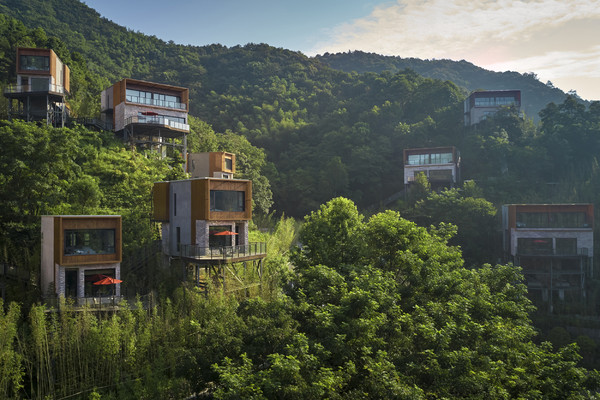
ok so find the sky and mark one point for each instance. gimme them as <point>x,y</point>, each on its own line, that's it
<point>558,40</point>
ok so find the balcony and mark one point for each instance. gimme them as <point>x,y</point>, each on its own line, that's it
<point>157,120</point>
<point>582,251</point>
<point>248,251</point>
<point>22,89</point>
<point>156,102</point>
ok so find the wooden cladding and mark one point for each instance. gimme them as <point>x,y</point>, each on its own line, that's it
<point>119,91</point>
<point>232,185</point>
<point>67,78</point>
<point>39,53</point>
<point>64,223</point>
<point>221,162</point>
<point>200,191</point>
<point>52,60</point>
<point>160,201</point>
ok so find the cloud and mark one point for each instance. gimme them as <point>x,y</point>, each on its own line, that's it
<point>559,64</point>
<point>445,28</point>
<point>521,35</point>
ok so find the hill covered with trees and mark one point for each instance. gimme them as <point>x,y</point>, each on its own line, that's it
<point>377,308</point>
<point>325,132</point>
<point>535,94</point>
<point>371,306</point>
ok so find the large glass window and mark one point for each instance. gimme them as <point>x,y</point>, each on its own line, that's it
<point>566,246</point>
<point>495,101</point>
<point>433,158</point>
<point>158,119</point>
<point>443,175</point>
<point>227,200</point>
<point>155,99</point>
<point>89,241</point>
<point>551,220</point>
<point>40,84</point>
<point>95,275</point>
<point>534,246</point>
<point>216,239</point>
<point>35,63</point>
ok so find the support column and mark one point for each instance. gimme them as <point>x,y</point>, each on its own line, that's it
<point>550,306</point>
<point>118,276</point>
<point>185,161</point>
<point>80,283</point>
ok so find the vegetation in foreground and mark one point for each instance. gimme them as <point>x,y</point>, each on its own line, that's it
<point>377,308</point>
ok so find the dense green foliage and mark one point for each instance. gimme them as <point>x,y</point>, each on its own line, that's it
<point>535,94</point>
<point>401,318</point>
<point>373,307</point>
<point>325,132</point>
<point>52,171</point>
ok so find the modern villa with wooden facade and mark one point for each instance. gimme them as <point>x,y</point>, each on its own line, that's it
<point>43,83</point>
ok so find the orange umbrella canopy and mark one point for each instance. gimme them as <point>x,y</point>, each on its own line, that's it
<point>224,233</point>
<point>107,280</point>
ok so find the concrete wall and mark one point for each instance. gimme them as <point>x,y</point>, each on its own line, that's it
<point>202,232</point>
<point>47,272</point>
<point>61,272</point>
<point>198,165</point>
<point>181,201</point>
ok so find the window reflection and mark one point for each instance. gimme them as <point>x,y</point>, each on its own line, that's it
<point>89,241</point>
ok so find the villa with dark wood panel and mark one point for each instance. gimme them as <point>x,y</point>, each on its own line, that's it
<point>43,83</point>
<point>147,114</point>
<point>205,219</point>
<point>554,244</point>
<point>441,165</point>
<point>78,251</point>
<point>483,103</point>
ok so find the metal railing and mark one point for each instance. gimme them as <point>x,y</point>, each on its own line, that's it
<point>99,303</point>
<point>223,252</point>
<point>157,120</point>
<point>156,102</point>
<point>35,88</point>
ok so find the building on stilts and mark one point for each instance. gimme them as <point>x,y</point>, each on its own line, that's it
<point>204,224</point>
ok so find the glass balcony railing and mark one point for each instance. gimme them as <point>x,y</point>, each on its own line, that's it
<point>35,88</point>
<point>224,252</point>
<point>156,102</point>
<point>158,120</point>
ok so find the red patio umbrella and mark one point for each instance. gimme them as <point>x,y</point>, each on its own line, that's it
<point>107,280</point>
<point>149,113</point>
<point>224,233</point>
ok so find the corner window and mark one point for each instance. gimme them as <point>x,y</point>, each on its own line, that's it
<point>89,241</point>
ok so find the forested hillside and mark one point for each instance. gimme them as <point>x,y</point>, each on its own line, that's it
<point>325,132</point>
<point>535,94</point>
<point>397,303</point>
